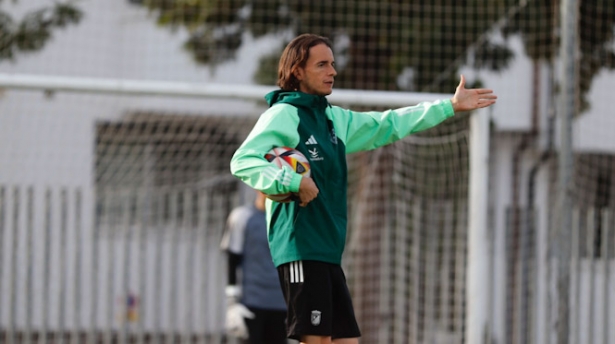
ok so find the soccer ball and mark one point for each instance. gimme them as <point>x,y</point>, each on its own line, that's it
<point>286,156</point>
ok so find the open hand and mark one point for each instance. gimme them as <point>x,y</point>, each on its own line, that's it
<point>470,99</point>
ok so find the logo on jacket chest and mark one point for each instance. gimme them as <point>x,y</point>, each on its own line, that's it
<point>315,155</point>
<point>312,147</point>
<point>311,141</point>
<point>319,148</point>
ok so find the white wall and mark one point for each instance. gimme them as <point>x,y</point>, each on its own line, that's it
<point>594,129</point>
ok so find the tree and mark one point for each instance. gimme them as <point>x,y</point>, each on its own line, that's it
<point>386,36</point>
<point>537,21</point>
<point>35,29</point>
<point>432,38</point>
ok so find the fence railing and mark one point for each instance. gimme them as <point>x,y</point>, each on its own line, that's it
<point>143,265</point>
<point>112,265</point>
<point>592,285</point>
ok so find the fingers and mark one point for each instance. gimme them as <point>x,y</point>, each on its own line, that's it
<point>484,103</point>
<point>488,96</point>
<point>307,198</point>
<point>485,94</point>
<point>483,90</point>
<point>307,191</point>
<point>486,99</point>
<point>462,81</point>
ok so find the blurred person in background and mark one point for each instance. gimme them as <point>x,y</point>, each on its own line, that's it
<point>256,310</point>
<point>307,237</point>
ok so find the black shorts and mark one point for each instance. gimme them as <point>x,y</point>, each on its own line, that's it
<point>318,300</point>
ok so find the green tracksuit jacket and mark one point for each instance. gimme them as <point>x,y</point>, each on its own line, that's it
<point>324,134</point>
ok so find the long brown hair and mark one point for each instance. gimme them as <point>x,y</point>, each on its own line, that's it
<point>296,55</point>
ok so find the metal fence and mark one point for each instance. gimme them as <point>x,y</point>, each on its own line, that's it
<point>143,266</point>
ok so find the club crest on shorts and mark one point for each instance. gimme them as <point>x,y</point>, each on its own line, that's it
<point>315,318</point>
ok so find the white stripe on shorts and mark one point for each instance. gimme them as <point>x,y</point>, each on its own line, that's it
<point>296,272</point>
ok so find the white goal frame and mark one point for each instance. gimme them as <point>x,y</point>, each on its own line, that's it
<point>200,90</point>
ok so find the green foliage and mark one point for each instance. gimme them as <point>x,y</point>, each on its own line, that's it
<point>216,26</point>
<point>35,29</point>
<point>386,35</point>
<point>434,38</point>
<point>267,71</point>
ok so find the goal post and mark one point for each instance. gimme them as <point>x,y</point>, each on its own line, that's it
<point>478,287</point>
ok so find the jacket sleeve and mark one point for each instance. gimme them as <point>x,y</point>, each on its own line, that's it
<point>277,127</point>
<point>362,131</point>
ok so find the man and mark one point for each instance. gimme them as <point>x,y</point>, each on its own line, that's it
<point>307,237</point>
<point>255,309</point>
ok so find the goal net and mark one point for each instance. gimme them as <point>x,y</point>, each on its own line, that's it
<point>118,120</point>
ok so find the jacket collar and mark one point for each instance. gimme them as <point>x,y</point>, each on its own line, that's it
<point>297,98</point>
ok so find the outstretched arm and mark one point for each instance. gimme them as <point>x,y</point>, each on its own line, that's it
<point>471,99</point>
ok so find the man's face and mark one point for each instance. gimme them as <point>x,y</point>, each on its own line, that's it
<point>319,71</point>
